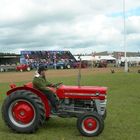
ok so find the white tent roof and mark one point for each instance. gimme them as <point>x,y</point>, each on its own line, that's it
<point>87,58</point>
<point>106,57</point>
<point>131,59</point>
<point>91,58</point>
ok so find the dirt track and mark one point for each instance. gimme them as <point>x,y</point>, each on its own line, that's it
<point>28,76</point>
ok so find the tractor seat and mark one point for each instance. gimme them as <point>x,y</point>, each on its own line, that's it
<point>12,86</point>
<point>30,84</point>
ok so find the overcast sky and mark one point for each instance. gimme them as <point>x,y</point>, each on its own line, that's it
<point>81,26</point>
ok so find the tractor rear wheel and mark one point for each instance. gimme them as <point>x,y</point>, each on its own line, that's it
<point>23,112</point>
<point>90,124</point>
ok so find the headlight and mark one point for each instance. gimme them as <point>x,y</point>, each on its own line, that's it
<point>97,94</point>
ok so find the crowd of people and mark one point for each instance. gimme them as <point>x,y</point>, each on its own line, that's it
<point>46,58</point>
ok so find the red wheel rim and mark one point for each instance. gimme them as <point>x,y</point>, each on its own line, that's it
<point>90,124</point>
<point>23,112</point>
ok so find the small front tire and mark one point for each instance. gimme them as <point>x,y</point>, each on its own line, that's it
<point>90,124</point>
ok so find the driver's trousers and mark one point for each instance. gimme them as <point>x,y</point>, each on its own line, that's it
<point>51,97</point>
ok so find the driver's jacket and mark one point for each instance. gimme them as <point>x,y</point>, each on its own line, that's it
<point>41,83</point>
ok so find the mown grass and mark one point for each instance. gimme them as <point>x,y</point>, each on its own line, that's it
<point>123,118</point>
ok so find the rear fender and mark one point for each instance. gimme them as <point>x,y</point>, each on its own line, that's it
<point>38,93</point>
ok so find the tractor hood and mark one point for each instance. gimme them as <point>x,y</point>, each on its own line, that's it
<point>81,91</point>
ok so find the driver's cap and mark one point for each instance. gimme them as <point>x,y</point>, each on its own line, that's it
<point>41,68</point>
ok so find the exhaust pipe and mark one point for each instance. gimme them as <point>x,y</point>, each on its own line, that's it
<point>79,72</point>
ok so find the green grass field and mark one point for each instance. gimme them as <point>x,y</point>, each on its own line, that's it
<point>123,118</point>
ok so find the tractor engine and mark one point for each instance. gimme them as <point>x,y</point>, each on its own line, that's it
<point>76,105</point>
<point>88,105</point>
<point>82,99</point>
<point>73,106</point>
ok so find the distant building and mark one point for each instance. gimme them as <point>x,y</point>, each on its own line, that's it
<point>52,58</point>
<point>118,55</point>
<point>9,59</point>
<point>53,55</point>
<point>105,53</point>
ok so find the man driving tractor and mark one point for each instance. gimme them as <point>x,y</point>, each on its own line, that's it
<point>41,83</point>
<point>25,109</point>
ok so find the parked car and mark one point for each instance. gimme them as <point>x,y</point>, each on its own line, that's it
<point>49,65</point>
<point>101,64</point>
<point>62,65</point>
<point>5,68</point>
<point>23,67</point>
<point>77,64</point>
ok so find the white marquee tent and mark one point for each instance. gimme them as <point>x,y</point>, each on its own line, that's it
<point>95,58</point>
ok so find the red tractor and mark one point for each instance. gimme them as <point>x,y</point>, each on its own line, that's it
<point>25,109</point>
<point>23,67</point>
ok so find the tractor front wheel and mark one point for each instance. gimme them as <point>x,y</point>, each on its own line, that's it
<point>90,124</point>
<point>23,112</point>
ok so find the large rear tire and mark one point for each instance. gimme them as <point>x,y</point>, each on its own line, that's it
<point>23,112</point>
<point>90,124</point>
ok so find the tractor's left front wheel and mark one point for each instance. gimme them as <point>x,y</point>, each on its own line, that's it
<point>23,112</point>
<point>90,124</point>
